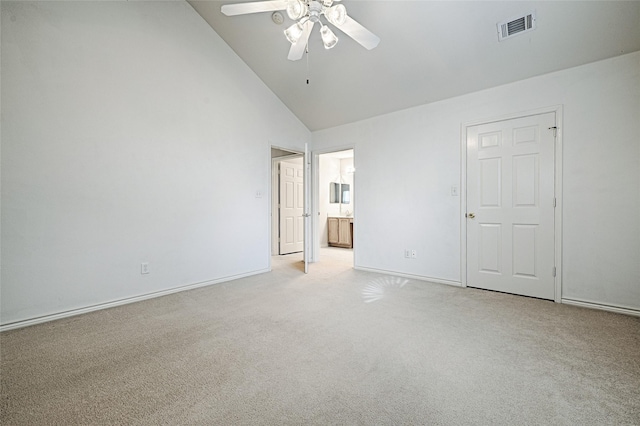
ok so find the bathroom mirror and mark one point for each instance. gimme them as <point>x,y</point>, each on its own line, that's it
<point>346,194</point>
<point>334,192</point>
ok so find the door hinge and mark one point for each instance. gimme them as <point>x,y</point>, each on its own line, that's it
<point>554,271</point>
<point>555,131</point>
<point>554,202</point>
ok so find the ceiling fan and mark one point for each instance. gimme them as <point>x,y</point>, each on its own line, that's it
<point>306,13</point>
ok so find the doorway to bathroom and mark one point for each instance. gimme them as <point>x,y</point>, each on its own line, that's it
<point>334,206</point>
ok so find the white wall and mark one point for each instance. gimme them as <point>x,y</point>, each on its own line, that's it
<point>408,161</point>
<point>131,133</point>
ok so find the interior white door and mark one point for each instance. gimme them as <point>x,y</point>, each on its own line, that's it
<point>510,206</point>
<point>307,208</point>
<point>291,206</point>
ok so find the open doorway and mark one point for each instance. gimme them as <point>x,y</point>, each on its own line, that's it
<point>334,201</point>
<point>287,203</point>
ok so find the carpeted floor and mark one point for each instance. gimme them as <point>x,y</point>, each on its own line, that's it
<point>337,346</point>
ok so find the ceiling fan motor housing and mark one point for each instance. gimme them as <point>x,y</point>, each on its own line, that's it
<point>315,9</point>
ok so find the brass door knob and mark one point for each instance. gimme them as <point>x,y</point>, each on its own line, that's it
<point>470,215</point>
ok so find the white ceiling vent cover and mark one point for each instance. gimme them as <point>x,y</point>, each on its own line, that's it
<point>516,25</point>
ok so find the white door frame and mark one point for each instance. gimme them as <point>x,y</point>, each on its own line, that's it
<point>315,193</point>
<point>558,191</point>
<point>307,225</point>
<point>272,194</point>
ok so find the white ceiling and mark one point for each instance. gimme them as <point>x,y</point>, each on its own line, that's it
<point>429,50</point>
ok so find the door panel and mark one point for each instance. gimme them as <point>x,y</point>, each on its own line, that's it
<point>490,250</point>
<point>333,225</point>
<point>344,228</point>
<point>525,181</point>
<point>490,182</point>
<point>510,191</point>
<point>524,250</point>
<point>525,135</point>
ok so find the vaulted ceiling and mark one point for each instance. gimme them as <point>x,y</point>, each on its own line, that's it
<point>429,51</point>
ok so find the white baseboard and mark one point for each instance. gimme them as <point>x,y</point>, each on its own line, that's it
<point>591,305</point>
<point>415,277</point>
<point>113,304</point>
<point>609,308</point>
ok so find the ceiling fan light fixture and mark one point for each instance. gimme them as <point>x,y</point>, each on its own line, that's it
<point>294,32</point>
<point>329,39</point>
<point>305,13</point>
<point>296,9</point>
<point>336,14</point>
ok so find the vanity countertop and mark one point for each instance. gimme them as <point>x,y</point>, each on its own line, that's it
<point>341,217</point>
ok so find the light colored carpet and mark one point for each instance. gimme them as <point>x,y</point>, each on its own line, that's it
<point>337,346</point>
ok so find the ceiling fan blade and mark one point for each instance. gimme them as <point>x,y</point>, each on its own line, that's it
<point>297,50</point>
<point>359,33</point>
<point>253,7</point>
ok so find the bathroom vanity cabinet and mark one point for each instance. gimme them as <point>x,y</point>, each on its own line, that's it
<point>340,231</point>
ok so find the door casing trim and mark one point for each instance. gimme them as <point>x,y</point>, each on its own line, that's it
<point>315,182</point>
<point>558,110</point>
<point>271,193</point>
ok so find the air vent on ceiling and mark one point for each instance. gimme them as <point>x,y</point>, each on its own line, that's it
<point>517,25</point>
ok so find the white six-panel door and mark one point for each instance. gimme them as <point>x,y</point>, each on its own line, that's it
<point>291,207</point>
<point>510,206</point>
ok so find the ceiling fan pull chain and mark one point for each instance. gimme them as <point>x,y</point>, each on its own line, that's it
<point>307,49</point>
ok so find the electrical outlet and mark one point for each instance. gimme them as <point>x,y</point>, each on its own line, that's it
<point>258,194</point>
<point>407,253</point>
<point>414,254</point>
<point>144,268</point>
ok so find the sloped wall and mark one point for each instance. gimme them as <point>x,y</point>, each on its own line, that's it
<point>131,133</point>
